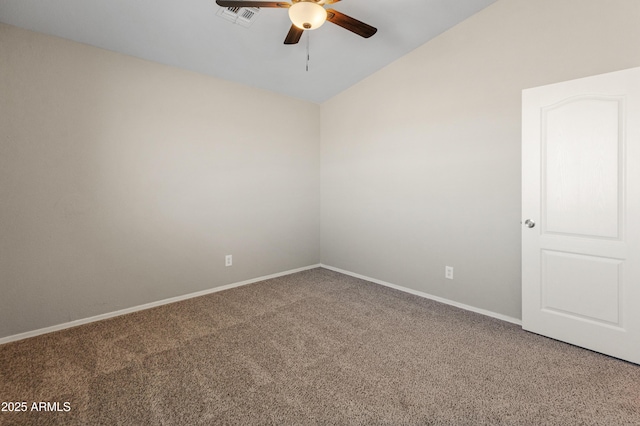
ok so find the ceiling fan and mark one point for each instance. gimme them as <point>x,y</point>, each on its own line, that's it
<point>308,15</point>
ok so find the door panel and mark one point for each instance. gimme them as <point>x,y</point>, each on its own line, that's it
<point>581,187</point>
<point>596,281</point>
<point>581,172</point>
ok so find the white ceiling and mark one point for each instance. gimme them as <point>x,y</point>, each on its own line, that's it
<point>189,35</point>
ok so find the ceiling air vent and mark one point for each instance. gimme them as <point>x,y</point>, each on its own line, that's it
<point>240,15</point>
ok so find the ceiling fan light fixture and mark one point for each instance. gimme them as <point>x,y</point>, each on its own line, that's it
<point>307,15</point>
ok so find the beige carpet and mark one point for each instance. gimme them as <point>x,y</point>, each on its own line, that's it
<point>315,347</point>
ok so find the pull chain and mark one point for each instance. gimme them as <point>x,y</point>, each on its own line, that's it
<point>307,51</point>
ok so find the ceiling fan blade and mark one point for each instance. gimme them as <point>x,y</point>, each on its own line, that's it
<point>351,24</point>
<point>331,1</point>
<point>294,35</point>
<point>242,3</point>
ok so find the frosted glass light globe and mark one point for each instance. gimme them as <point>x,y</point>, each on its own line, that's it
<point>307,15</point>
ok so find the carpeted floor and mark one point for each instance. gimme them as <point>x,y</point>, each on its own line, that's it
<point>316,347</point>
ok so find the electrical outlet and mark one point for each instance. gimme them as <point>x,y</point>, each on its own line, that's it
<point>448,272</point>
<point>228,260</point>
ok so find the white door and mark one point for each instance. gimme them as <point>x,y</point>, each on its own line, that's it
<point>581,212</point>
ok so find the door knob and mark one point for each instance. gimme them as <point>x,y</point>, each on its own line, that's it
<point>529,223</point>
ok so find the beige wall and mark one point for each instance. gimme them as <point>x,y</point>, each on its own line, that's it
<point>421,161</point>
<point>125,182</point>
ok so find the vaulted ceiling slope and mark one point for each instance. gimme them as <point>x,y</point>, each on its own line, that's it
<point>191,34</point>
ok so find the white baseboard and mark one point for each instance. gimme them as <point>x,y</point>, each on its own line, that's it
<point>82,321</point>
<point>107,315</point>
<point>428,296</point>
